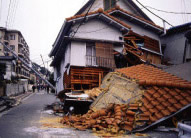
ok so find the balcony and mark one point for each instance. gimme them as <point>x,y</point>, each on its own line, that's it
<point>94,61</point>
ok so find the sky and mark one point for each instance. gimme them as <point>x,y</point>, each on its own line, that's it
<point>40,20</point>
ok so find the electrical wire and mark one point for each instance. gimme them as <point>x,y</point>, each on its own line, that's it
<point>12,10</point>
<point>8,12</point>
<point>153,13</point>
<point>87,14</point>
<point>83,19</point>
<point>14,13</point>
<point>168,11</point>
<point>1,3</point>
<point>94,30</point>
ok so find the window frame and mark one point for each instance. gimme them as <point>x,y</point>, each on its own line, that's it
<point>12,36</point>
<point>110,4</point>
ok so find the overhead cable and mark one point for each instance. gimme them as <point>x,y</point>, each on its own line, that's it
<point>168,11</point>
<point>8,13</point>
<point>153,13</point>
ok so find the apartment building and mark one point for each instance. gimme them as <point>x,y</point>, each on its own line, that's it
<point>15,40</point>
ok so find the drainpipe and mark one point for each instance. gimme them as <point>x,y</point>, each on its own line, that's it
<point>164,26</point>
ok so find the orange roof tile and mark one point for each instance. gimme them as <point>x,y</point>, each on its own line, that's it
<point>161,97</point>
<point>100,10</point>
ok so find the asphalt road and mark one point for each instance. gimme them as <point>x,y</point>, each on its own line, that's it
<point>13,122</point>
<point>23,121</point>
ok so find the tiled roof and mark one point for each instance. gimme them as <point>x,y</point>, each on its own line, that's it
<point>99,11</point>
<point>111,10</point>
<point>158,101</point>
<point>138,17</point>
<point>165,94</point>
<point>151,76</point>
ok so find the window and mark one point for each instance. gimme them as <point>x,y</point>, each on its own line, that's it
<point>6,37</point>
<point>90,54</point>
<point>108,4</point>
<point>12,37</point>
<point>12,47</point>
<point>90,49</point>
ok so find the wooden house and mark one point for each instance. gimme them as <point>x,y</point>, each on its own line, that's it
<point>89,43</point>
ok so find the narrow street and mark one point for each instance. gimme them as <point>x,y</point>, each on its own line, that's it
<point>24,121</point>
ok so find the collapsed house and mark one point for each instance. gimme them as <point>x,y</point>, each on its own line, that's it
<point>95,40</point>
<point>150,96</point>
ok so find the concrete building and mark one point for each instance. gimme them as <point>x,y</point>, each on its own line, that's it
<point>15,40</point>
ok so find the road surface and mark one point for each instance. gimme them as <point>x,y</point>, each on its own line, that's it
<point>30,120</point>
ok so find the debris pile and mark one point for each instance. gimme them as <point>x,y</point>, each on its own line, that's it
<point>94,93</point>
<point>113,119</point>
<point>135,99</point>
<point>6,103</point>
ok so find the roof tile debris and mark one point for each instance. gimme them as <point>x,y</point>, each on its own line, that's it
<point>165,93</point>
<point>158,101</point>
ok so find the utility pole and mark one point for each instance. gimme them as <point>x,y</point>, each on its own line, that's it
<point>28,66</point>
<point>44,64</point>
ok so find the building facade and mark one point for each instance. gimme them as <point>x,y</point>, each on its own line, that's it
<point>15,41</point>
<point>84,52</point>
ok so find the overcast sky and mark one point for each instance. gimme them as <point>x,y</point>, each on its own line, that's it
<point>40,20</point>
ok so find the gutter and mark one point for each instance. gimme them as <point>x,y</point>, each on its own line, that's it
<point>162,119</point>
<point>151,51</point>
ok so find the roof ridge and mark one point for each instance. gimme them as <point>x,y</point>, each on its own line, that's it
<point>100,10</point>
<point>136,16</point>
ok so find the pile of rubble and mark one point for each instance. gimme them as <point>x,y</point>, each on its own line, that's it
<point>135,99</point>
<point>113,119</point>
<point>94,93</point>
<point>6,103</point>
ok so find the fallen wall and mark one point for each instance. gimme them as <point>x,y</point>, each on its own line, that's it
<point>117,89</point>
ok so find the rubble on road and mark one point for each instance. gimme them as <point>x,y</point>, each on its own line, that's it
<point>116,118</point>
<point>6,103</point>
<point>134,99</point>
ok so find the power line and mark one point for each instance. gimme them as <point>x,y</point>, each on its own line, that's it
<point>153,13</point>
<point>1,8</point>
<point>8,13</point>
<point>168,11</point>
<point>83,19</point>
<point>12,10</point>
<point>113,4</point>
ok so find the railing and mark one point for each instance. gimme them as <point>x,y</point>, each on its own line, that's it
<point>99,61</point>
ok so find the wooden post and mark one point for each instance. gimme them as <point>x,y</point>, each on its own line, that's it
<point>99,79</point>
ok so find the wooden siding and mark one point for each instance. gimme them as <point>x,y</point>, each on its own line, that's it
<point>105,50</point>
<point>81,78</point>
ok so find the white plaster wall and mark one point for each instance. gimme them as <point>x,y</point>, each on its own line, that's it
<point>78,53</point>
<point>97,29</point>
<point>64,62</point>
<point>143,31</point>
